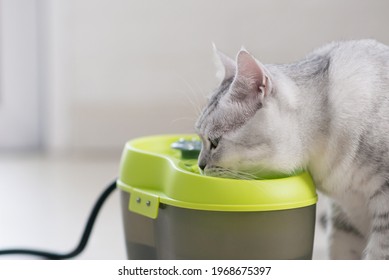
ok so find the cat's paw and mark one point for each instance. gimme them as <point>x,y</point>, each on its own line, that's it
<point>372,256</point>
<point>375,253</point>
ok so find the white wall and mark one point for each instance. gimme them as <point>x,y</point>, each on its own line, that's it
<point>118,69</point>
<point>20,105</point>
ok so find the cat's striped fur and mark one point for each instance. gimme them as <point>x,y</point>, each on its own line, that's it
<point>328,113</point>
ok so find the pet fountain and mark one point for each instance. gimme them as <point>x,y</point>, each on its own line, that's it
<point>171,211</point>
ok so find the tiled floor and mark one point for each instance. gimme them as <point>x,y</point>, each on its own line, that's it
<point>44,203</point>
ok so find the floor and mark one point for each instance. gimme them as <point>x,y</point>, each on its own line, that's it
<point>45,201</point>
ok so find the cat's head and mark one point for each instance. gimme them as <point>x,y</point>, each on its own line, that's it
<point>248,127</point>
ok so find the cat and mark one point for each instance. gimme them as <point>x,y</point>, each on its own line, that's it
<point>327,113</point>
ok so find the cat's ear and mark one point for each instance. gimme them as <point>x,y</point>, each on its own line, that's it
<point>249,69</point>
<point>226,66</point>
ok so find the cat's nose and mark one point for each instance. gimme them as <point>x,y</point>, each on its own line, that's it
<point>202,165</point>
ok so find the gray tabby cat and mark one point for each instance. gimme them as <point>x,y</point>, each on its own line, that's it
<point>327,113</point>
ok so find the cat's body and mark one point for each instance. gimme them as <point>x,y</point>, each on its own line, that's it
<point>328,113</point>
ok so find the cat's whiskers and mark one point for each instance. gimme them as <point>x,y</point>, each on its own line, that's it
<point>192,96</point>
<point>182,119</point>
<point>230,173</point>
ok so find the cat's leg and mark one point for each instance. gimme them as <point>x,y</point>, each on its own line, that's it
<point>345,241</point>
<point>378,244</point>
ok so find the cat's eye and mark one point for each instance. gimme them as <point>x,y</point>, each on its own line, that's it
<point>214,143</point>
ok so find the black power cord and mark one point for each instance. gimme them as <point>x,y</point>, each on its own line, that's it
<point>84,239</point>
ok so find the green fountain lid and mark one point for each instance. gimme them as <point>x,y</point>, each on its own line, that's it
<point>154,171</point>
